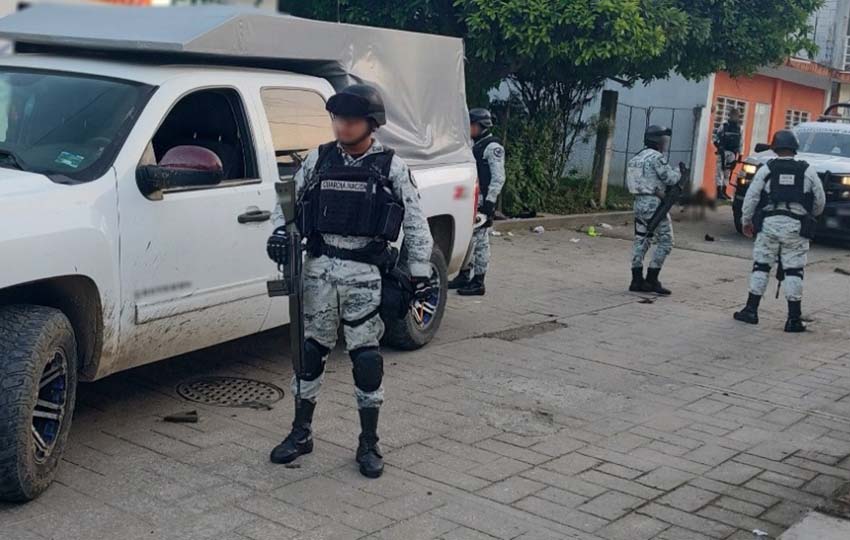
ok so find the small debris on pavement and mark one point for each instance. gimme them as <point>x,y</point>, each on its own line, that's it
<point>188,417</point>
<point>760,533</point>
<point>709,238</point>
<point>258,406</point>
<point>496,233</point>
<point>575,240</point>
<point>538,230</point>
<point>842,271</point>
<point>591,231</point>
<point>510,233</point>
<point>605,226</point>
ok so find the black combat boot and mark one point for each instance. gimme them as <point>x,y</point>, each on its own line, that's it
<point>795,318</point>
<point>368,452</point>
<point>460,281</point>
<point>651,283</point>
<point>637,279</point>
<point>750,313</point>
<point>300,439</point>
<point>474,288</point>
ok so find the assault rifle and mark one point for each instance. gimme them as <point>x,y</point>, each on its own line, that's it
<point>290,283</point>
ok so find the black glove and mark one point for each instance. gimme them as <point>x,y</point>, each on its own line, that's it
<point>488,208</point>
<point>277,246</point>
<point>421,287</point>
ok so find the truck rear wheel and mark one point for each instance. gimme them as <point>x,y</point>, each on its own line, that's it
<point>38,383</point>
<point>422,322</point>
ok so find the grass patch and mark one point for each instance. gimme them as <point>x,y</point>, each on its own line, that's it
<point>576,195</point>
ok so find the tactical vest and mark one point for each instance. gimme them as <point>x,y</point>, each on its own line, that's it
<point>787,179</point>
<point>484,172</point>
<point>730,137</point>
<point>350,201</point>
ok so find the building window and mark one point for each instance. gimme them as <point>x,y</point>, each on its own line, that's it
<point>792,118</point>
<point>724,106</point>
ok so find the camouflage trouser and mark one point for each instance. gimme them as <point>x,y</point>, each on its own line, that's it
<point>724,171</point>
<point>339,291</point>
<point>480,251</point>
<point>780,233</point>
<point>662,237</point>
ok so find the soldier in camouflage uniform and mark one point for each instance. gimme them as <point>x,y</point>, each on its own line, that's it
<point>490,160</point>
<point>648,176</point>
<point>727,141</point>
<point>785,196</point>
<point>341,283</point>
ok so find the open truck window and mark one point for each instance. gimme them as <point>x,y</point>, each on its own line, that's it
<point>213,119</point>
<point>298,123</point>
<point>66,126</point>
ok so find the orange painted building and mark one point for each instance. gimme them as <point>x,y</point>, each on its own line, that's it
<point>771,100</point>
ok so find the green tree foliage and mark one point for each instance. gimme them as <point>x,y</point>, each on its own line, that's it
<point>556,54</point>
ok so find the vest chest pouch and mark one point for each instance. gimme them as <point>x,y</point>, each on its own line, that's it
<point>353,201</point>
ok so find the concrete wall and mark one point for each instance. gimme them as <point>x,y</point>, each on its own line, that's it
<point>670,102</point>
<point>829,31</point>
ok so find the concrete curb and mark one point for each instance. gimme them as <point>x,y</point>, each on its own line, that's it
<point>572,221</point>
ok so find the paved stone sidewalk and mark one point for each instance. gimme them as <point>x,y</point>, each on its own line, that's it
<point>558,406</point>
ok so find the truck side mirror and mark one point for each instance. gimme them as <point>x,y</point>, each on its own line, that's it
<point>762,147</point>
<point>180,167</point>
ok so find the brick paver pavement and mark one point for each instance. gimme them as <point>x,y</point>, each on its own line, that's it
<point>558,406</point>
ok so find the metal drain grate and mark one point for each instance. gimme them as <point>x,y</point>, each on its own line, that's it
<point>230,392</point>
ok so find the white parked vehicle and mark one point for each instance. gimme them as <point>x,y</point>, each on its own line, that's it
<point>825,144</point>
<point>111,260</point>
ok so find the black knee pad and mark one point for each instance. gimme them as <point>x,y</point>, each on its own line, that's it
<point>368,368</point>
<point>761,267</point>
<point>798,272</point>
<point>313,361</point>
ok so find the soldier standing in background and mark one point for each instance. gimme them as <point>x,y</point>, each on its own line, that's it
<point>490,160</point>
<point>648,176</point>
<point>727,140</point>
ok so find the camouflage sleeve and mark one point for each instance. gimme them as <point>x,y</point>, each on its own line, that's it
<point>816,187</point>
<point>303,172</point>
<point>417,235</point>
<point>667,174</point>
<point>751,201</point>
<point>716,137</point>
<point>495,156</point>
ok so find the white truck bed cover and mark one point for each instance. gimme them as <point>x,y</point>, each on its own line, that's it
<point>421,76</point>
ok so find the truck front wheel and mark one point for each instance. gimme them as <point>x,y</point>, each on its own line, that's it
<point>422,322</point>
<point>737,210</point>
<point>38,383</point>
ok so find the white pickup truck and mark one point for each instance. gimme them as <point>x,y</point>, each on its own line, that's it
<point>105,268</point>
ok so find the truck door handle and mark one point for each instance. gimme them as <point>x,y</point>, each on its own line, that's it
<point>254,215</point>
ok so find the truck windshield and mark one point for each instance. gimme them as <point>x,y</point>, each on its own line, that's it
<point>67,126</point>
<point>833,143</point>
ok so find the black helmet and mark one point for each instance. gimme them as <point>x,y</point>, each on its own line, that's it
<point>481,116</point>
<point>656,136</point>
<point>359,101</point>
<point>785,139</point>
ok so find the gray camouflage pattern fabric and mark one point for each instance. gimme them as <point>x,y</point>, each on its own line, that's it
<point>337,290</point>
<point>480,251</point>
<point>480,261</point>
<point>495,156</point>
<point>780,233</point>
<point>648,176</point>
<point>725,164</point>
